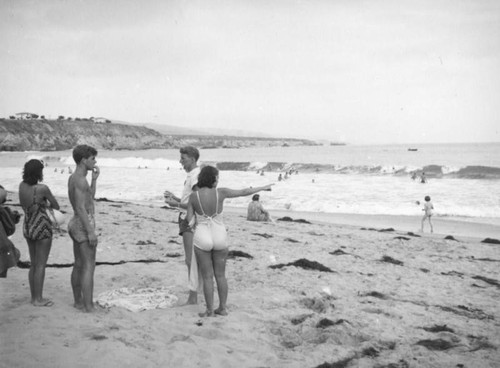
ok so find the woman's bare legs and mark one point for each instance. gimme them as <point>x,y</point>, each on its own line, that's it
<point>219,258</point>
<point>204,259</point>
<point>39,254</point>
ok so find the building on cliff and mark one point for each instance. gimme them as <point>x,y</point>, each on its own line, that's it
<point>26,116</point>
<point>100,120</point>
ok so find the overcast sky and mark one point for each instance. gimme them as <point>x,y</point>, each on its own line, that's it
<point>363,72</point>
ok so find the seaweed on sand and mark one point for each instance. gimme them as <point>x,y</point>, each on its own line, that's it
<point>238,253</point>
<point>289,219</point>
<point>376,294</point>
<point>487,280</point>
<point>305,264</point>
<point>325,322</point>
<point>437,344</point>
<point>490,241</point>
<point>391,260</point>
<point>264,235</point>
<point>401,238</point>
<point>338,252</point>
<point>438,328</point>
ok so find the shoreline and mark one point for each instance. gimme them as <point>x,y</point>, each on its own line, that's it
<point>472,228</point>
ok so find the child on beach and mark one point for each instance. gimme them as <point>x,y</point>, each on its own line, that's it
<point>428,212</point>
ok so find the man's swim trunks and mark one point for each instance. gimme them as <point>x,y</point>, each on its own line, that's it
<point>184,225</point>
<point>77,231</point>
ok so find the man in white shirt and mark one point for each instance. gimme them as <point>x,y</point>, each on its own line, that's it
<point>189,161</point>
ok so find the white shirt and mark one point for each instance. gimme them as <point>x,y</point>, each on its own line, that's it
<point>191,181</point>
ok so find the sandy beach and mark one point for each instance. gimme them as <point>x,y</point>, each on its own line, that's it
<point>364,291</point>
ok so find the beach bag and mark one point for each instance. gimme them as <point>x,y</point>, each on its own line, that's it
<point>7,220</point>
<point>9,255</point>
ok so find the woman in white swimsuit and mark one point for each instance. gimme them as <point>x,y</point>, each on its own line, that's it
<point>210,237</point>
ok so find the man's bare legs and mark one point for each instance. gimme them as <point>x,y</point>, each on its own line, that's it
<point>219,258</point>
<point>82,277</point>
<point>39,254</point>
<point>187,240</point>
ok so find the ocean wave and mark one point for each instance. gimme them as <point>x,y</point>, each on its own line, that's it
<point>431,171</point>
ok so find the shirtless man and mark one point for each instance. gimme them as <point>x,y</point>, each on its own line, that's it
<point>81,227</point>
<point>189,161</point>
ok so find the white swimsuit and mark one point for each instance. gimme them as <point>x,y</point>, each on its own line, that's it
<point>210,233</point>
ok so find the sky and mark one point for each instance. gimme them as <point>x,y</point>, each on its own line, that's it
<point>353,71</point>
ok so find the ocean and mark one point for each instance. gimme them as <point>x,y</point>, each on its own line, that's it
<point>463,180</point>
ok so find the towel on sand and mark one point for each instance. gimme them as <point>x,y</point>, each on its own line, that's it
<point>137,300</point>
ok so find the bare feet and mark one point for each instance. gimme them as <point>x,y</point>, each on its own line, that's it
<point>42,303</point>
<point>78,305</point>
<point>193,298</point>
<point>207,313</point>
<point>95,308</point>
<point>221,311</point>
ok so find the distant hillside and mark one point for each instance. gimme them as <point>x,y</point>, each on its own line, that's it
<point>173,130</point>
<point>55,135</point>
<point>176,130</point>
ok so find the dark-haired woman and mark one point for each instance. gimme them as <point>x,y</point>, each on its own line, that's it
<point>210,238</point>
<point>37,228</point>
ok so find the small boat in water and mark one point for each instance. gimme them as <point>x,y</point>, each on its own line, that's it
<point>413,149</point>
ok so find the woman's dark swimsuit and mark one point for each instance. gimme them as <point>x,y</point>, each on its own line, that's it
<point>37,225</point>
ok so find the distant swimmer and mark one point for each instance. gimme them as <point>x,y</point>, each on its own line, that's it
<point>423,178</point>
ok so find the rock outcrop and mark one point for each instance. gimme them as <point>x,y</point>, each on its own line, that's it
<point>56,135</point>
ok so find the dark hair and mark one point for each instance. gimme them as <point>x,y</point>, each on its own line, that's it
<point>207,177</point>
<point>427,198</point>
<point>83,151</point>
<point>191,152</point>
<point>255,197</point>
<point>33,172</point>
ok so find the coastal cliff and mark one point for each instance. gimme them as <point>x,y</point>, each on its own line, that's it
<point>55,135</point>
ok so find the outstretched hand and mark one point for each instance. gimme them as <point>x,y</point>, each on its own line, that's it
<point>267,187</point>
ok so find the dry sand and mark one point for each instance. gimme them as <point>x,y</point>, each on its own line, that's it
<point>390,300</point>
